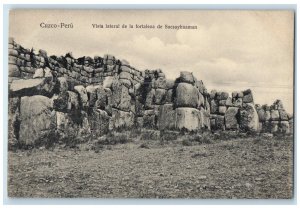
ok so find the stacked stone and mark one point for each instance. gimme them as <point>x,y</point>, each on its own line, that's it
<point>78,97</point>
<point>233,113</point>
<point>98,71</point>
<point>221,105</point>
<point>125,87</point>
<point>110,66</point>
<point>32,119</point>
<point>248,117</point>
<point>192,112</point>
<point>274,118</point>
<point>167,111</point>
<point>23,62</point>
<point>82,71</point>
<point>87,70</point>
<point>66,66</point>
<point>152,96</point>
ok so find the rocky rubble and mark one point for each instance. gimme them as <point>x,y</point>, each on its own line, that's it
<point>64,97</point>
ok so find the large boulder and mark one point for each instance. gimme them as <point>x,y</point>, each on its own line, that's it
<point>222,110</point>
<point>220,122</point>
<point>101,97</point>
<point>201,100</point>
<point>267,115</point>
<point>99,122</point>
<point>277,105</point>
<point>67,127</point>
<point>159,83</point>
<point>204,119</point>
<point>62,84</point>
<point>125,75</point>
<point>248,118</point>
<point>187,77</point>
<point>237,102</point>
<point>92,95</point>
<point>83,96</point>
<point>226,102</point>
<point>217,122</point>
<point>39,73</point>
<point>13,70</point>
<point>149,119</point>
<point>167,117</point>
<point>231,121</point>
<point>200,86</point>
<point>121,119</point>
<point>213,94</point>
<point>159,97</point>
<point>283,115</point>
<point>108,81</point>
<point>139,122</point>
<point>126,83</point>
<point>150,96</point>
<point>30,87</point>
<point>274,126</point>
<point>37,120</point>
<point>108,107</point>
<point>261,114</point>
<point>222,95</point>
<point>213,106</point>
<point>247,96</point>
<point>139,107</point>
<point>207,106</point>
<point>187,95</point>
<point>170,84</point>
<point>73,101</point>
<point>66,102</point>
<point>274,115</point>
<point>60,102</point>
<point>48,73</point>
<point>169,96</point>
<point>120,97</point>
<point>13,122</point>
<point>188,118</point>
<point>284,127</point>
<point>84,128</point>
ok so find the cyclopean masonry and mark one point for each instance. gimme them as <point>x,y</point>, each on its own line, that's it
<point>65,97</point>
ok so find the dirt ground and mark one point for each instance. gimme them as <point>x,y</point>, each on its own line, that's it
<point>237,168</point>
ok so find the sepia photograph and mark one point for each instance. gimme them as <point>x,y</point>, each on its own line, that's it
<point>151,104</point>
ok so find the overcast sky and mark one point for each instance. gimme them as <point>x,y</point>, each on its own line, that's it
<point>230,50</point>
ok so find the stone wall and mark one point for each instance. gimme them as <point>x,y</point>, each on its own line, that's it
<point>65,97</point>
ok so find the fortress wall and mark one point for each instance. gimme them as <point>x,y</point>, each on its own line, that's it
<point>67,97</point>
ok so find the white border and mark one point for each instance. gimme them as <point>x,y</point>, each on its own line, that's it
<point>212,4</point>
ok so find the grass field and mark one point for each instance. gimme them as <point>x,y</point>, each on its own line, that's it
<point>245,167</point>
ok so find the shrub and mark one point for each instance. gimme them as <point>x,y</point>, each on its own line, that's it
<point>186,142</point>
<point>73,142</point>
<point>145,146</point>
<point>113,138</point>
<point>168,135</point>
<point>203,138</point>
<point>150,135</point>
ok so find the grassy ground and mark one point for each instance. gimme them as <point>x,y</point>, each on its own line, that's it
<point>248,167</point>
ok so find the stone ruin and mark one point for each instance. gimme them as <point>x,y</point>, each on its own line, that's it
<point>61,96</point>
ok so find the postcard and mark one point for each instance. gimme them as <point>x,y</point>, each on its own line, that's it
<point>189,104</point>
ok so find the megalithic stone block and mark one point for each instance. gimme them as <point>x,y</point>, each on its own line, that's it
<point>37,120</point>
<point>188,118</point>
<point>187,95</point>
<point>231,120</point>
<point>248,118</point>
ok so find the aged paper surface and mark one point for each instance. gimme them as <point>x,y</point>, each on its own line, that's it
<point>145,98</point>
